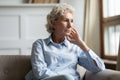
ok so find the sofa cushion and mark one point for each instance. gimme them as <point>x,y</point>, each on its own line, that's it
<point>14,67</point>
<point>106,74</point>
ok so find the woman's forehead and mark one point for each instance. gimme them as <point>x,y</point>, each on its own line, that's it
<point>67,15</point>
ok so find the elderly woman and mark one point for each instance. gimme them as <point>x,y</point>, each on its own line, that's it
<point>56,57</point>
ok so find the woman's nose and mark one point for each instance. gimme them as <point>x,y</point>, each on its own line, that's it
<point>70,25</point>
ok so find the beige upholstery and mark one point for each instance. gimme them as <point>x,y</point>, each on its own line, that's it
<point>15,67</point>
<point>103,75</point>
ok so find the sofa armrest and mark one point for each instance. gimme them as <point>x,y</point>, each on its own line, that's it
<point>81,71</point>
<point>106,74</point>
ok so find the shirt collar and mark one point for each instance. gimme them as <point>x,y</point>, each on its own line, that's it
<point>49,40</point>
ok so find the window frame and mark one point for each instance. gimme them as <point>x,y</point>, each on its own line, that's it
<point>106,22</point>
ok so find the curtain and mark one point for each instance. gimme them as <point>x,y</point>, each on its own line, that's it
<point>92,28</point>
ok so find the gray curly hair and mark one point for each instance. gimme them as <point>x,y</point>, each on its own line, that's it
<point>57,11</point>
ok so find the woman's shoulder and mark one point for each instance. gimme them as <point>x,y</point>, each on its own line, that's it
<point>39,41</point>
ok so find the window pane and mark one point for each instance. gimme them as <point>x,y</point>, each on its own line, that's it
<point>111,39</point>
<point>111,8</point>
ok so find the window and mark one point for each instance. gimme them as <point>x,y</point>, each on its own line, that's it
<point>110,28</point>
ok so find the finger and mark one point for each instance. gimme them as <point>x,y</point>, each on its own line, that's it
<point>68,38</point>
<point>74,30</point>
<point>67,34</point>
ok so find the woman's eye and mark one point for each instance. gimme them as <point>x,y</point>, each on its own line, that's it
<point>65,20</point>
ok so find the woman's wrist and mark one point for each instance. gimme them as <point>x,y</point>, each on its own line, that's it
<point>83,46</point>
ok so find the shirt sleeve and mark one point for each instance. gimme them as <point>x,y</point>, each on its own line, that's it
<point>86,59</point>
<point>39,66</point>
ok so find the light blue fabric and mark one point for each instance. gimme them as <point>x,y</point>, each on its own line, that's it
<point>50,59</point>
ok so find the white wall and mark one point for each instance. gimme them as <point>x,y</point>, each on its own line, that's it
<point>20,25</point>
<point>13,1</point>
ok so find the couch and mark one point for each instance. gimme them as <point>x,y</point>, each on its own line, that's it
<point>15,67</point>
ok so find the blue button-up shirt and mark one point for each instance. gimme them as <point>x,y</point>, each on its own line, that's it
<point>51,59</point>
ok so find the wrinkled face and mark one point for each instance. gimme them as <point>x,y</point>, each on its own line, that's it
<point>63,24</point>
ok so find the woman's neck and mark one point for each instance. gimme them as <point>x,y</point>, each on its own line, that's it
<point>57,38</point>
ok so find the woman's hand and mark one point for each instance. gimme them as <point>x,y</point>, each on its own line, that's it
<point>73,36</point>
